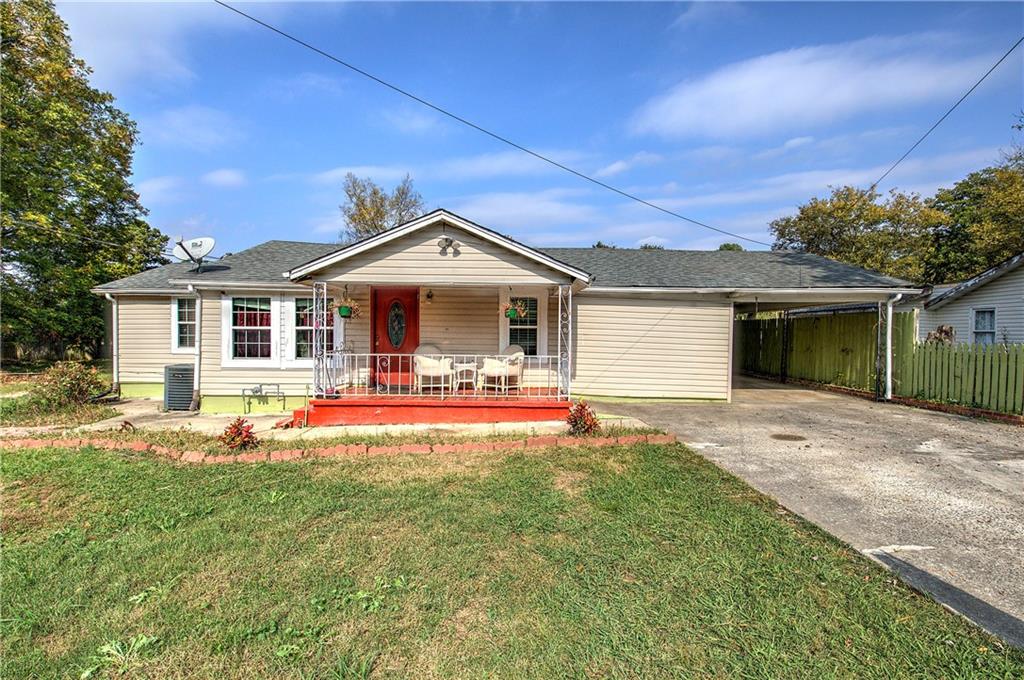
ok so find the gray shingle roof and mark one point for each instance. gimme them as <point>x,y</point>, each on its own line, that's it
<point>717,269</point>
<point>617,267</point>
<point>260,264</point>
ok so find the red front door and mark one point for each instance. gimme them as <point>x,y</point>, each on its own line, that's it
<point>395,330</point>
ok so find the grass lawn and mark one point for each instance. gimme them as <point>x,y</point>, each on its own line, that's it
<point>24,412</point>
<point>621,562</point>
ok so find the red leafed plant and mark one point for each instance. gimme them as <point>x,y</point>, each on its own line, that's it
<point>238,435</point>
<point>582,419</point>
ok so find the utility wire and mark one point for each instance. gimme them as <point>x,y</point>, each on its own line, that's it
<point>484,130</point>
<point>946,114</point>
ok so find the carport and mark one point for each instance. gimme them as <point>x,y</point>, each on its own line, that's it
<point>881,300</point>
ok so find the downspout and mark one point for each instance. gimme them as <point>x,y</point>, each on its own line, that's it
<point>194,406</point>
<point>115,372</point>
<point>888,344</point>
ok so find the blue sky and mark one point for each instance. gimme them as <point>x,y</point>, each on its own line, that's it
<point>729,113</point>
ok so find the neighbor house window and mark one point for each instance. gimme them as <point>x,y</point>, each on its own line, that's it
<point>304,327</point>
<point>984,326</point>
<point>250,328</point>
<point>184,323</point>
<point>522,330</point>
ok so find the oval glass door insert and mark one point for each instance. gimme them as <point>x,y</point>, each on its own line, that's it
<point>396,324</point>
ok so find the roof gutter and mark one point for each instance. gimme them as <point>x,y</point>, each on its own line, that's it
<point>736,292</point>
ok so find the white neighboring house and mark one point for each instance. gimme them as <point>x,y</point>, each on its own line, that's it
<point>986,309</point>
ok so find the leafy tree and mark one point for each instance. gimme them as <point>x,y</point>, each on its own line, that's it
<point>369,209</point>
<point>602,244</point>
<point>69,219</point>
<point>651,246</point>
<point>852,225</point>
<point>985,222</point>
<point>731,246</point>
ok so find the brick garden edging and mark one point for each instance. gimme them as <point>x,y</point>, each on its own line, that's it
<point>339,450</point>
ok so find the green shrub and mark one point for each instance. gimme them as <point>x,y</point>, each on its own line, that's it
<point>65,384</point>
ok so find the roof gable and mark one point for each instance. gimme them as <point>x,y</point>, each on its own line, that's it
<point>982,279</point>
<point>432,219</point>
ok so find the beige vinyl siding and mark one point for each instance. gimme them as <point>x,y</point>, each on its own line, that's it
<point>644,347</point>
<point>1005,295</point>
<point>144,339</point>
<point>460,320</point>
<point>415,259</point>
<point>217,380</point>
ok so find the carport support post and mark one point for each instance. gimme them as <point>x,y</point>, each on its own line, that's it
<point>784,359</point>
<point>878,354</point>
<point>888,345</point>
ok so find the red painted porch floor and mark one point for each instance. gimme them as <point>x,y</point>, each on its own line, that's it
<point>458,407</point>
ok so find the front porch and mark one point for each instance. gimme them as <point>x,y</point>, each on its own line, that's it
<point>433,371</point>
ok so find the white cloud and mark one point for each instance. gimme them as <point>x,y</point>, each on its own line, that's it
<point>923,174</point>
<point>639,159</point>
<point>785,147</point>
<point>378,173</point>
<point>500,164</point>
<point>227,178</point>
<point>144,43</point>
<point>700,13</point>
<point>194,127</point>
<point>482,166</point>
<point>411,121</point>
<point>304,84</point>
<point>166,189</point>
<point>526,211</point>
<point>810,86</point>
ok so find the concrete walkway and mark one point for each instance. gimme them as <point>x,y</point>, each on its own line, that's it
<point>146,414</point>
<point>938,498</point>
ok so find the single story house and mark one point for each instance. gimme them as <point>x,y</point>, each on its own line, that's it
<point>451,311</point>
<point>986,309</point>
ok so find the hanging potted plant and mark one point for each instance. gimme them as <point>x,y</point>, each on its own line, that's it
<point>348,308</point>
<point>514,310</point>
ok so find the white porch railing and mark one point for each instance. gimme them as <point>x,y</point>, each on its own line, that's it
<point>462,376</point>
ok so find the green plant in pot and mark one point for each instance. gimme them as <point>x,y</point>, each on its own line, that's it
<point>348,309</point>
<point>514,310</point>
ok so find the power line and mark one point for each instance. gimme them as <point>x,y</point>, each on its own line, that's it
<point>484,130</point>
<point>946,114</point>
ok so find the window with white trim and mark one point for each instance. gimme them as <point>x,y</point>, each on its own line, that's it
<point>304,327</point>
<point>184,324</point>
<point>984,326</point>
<point>250,328</point>
<point>523,330</point>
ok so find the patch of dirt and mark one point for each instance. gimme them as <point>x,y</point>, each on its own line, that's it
<point>789,437</point>
<point>411,468</point>
<point>570,482</point>
<point>470,621</point>
<point>26,507</point>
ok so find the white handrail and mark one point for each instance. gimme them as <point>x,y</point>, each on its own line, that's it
<point>446,376</point>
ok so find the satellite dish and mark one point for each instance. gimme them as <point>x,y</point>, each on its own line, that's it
<point>194,249</point>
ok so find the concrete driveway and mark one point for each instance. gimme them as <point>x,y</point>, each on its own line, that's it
<point>937,497</point>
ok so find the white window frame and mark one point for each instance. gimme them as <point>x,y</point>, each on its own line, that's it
<point>226,335</point>
<point>995,324</point>
<point>288,310</point>
<point>543,301</point>
<point>175,347</point>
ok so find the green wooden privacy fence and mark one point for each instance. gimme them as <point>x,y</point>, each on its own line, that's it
<point>840,349</point>
<point>982,376</point>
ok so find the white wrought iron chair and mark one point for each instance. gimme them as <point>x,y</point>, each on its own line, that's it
<point>504,373</point>
<point>430,370</point>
